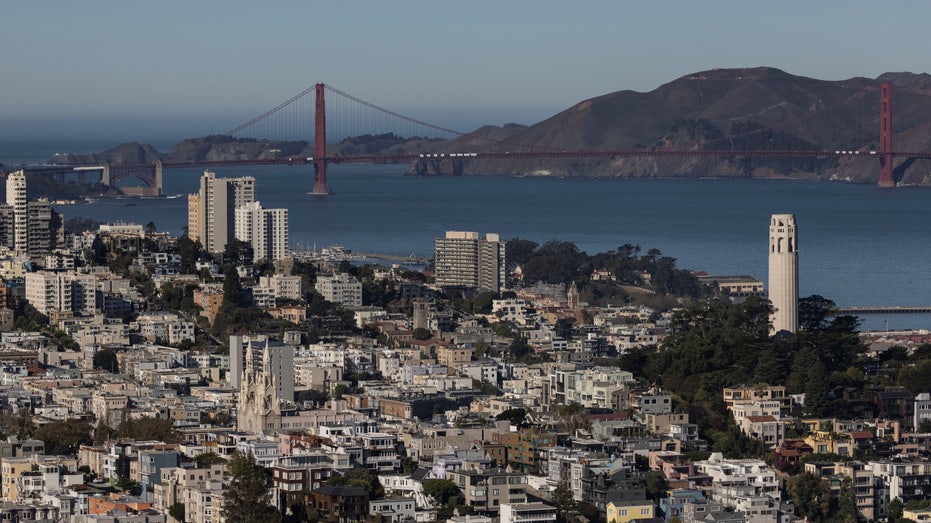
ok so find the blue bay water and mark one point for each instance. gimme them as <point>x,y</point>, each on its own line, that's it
<point>858,245</point>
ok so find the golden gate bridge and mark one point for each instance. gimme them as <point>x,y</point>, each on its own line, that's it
<point>355,116</point>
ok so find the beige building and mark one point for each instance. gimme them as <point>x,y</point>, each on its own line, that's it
<point>52,292</point>
<point>200,489</point>
<point>487,490</point>
<point>453,356</point>
<point>463,259</point>
<point>211,214</point>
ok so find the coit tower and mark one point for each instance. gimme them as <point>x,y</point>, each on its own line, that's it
<point>783,272</point>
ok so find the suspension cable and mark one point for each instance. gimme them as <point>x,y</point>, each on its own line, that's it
<point>272,111</point>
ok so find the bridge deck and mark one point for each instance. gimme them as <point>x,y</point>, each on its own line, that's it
<point>884,310</point>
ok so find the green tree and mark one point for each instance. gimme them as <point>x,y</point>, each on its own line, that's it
<point>811,495</point>
<point>846,503</point>
<point>248,497</point>
<point>64,437</point>
<point>421,334</point>
<point>177,511</point>
<point>563,328</point>
<point>441,490</point>
<point>481,348</point>
<point>517,416</point>
<point>814,311</point>
<point>520,250</point>
<point>519,348</point>
<point>894,510</point>
<point>106,360</point>
<point>28,318</point>
<point>128,485</point>
<point>817,403</point>
<point>656,485</point>
<point>317,397</point>
<point>360,477</point>
<point>208,458</point>
<point>564,503</point>
<point>482,302</point>
<point>16,422</point>
<point>916,378</point>
<point>233,294</point>
<point>148,428</point>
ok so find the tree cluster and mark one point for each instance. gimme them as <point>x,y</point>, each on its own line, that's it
<point>248,497</point>
<point>713,345</point>
<point>562,262</point>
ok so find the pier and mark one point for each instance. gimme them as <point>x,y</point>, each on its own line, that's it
<point>899,309</point>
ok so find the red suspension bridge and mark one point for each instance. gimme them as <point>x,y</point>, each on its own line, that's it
<point>290,120</point>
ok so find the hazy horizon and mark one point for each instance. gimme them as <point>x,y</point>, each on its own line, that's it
<point>455,65</point>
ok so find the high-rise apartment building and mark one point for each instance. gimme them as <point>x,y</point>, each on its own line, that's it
<point>44,228</point>
<point>463,259</point>
<point>265,229</point>
<point>28,228</point>
<point>783,272</point>
<point>16,198</point>
<point>211,214</point>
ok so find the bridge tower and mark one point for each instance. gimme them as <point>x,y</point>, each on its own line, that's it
<point>320,186</point>
<point>886,178</point>
<point>105,175</point>
<point>158,177</point>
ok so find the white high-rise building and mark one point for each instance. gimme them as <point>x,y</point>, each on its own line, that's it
<point>340,288</point>
<point>211,214</point>
<point>783,272</point>
<point>463,259</point>
<point>16,198</point>
<point>265,229</point>
<point>62,291</point>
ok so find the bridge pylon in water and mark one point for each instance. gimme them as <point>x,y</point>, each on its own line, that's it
<point>320,161</point>
<point>886,176</point>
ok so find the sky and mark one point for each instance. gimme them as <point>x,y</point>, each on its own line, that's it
<point>191,68</point>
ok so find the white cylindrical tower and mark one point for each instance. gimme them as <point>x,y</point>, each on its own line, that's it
<point>783,272</point>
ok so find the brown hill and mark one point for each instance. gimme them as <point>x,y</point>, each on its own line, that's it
<point>721,109</point>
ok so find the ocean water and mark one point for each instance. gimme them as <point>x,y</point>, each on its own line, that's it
<point>858,245</point>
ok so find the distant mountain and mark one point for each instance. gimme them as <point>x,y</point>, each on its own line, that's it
<point>729,109</point>
<point>723,109</point>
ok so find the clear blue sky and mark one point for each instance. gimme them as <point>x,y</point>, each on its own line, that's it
<point>209,65</point>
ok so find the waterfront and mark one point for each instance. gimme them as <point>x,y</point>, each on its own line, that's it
<point>859,245</point>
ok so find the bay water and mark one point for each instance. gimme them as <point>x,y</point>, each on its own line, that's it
<point>858,245</point>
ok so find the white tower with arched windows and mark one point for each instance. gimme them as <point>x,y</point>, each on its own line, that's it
<point>783,272</point>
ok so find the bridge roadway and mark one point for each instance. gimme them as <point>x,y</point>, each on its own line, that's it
<point>515,155</point>
<point>853,311</point>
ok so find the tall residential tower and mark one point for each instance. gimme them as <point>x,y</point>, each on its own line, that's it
<point>211,212</point>
<point>783,272</point>
<point>465,260</point>
<point>16,198</point>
